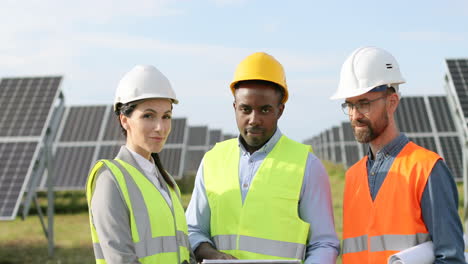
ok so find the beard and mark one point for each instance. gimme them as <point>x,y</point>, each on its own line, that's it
<point>370,131</point>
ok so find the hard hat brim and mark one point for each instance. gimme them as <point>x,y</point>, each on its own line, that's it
<point>341,95</point>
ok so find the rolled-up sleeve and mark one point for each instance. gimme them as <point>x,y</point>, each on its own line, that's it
<point>315,207</point>
<point>111,220</point>
<point>198,213</point>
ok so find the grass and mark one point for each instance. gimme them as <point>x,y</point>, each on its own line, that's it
<point>24,241</point>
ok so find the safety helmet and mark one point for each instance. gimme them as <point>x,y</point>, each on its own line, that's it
<point>261,66</point>
<point>143,82</point>
<point>365,69</point>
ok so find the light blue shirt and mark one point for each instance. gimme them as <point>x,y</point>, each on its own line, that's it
<point>315,204</point>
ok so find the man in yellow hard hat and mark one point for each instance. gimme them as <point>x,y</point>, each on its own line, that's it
<point>261,195</point>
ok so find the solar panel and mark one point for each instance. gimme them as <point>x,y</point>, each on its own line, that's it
<point>352,155</point>
<point>411,115</point>
<point>113,131</point>
<point>83,123</point>
<point>347,131</point>
<point>26,103</point>
<point>193,159</point>
<point>336,134</point>
<point>71,167</point>
<point>15,159</point>
<point>215,136</point>
<point>425,142</point>
<point>178,131</point>
<point>198,136</point>
<point>452,150</point>
<point>458,70</point>
<point>171,160</point>
<point>228,136</point>
<point>338,154</point>
<point>108,151</point>
<point>442,115</point>
<point>27,107</point>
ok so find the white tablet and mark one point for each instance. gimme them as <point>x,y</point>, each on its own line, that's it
<point>249,261</point>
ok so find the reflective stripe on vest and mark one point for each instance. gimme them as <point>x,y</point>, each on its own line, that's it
<point>158,240</point>
<point>153,246</point>
<point>384,242</point>
<point>267,224</point>
<point>354,244</point>
<point>376,229</point>
<point>261,246</point>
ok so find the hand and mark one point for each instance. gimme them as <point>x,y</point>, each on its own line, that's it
<point>206,251</point>
<point>221,255</point>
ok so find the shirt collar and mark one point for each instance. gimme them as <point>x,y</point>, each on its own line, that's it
<point>391,149</point>
<point>268,145</point>
<point>146,165</point>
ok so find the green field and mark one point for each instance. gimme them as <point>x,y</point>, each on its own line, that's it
<point>24,241</point>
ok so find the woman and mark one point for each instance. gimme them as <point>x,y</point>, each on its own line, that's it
<point>135,211</point>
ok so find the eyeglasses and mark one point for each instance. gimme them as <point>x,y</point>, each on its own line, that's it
<point>361,107</point>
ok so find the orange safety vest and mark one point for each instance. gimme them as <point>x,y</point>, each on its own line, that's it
<point>374,230</point>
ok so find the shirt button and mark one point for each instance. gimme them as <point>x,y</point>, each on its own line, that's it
<point>373,173</point>
<point>245,185</point>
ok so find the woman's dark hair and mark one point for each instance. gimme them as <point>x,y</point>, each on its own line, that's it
<point>127,110</point>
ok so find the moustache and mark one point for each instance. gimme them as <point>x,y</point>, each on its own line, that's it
<point>255,130</point>
<point>360,122</point>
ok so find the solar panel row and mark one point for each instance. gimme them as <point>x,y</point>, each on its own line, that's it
<point>90,133</point>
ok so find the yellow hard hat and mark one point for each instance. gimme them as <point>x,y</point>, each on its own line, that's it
<point>261,66</point>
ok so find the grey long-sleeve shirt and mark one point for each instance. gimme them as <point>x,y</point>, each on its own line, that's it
<point>439,202</point>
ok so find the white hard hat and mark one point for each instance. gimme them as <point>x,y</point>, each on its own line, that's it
<point>143,82</point>
<point>365,69</point>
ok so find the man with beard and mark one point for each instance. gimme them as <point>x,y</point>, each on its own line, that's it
<point>261,195</point>
<point>400,194</point>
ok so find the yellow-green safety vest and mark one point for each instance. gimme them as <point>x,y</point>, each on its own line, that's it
<point>267,224</point>
<point>159,234</point>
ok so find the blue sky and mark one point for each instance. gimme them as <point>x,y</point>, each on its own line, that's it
<point>197,45</point>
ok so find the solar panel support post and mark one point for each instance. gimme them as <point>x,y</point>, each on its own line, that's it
<point>50,191</point>
<point>38,171</point>
<point>465,182</point>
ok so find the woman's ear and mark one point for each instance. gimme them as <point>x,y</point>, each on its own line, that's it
<point>124,121</point>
